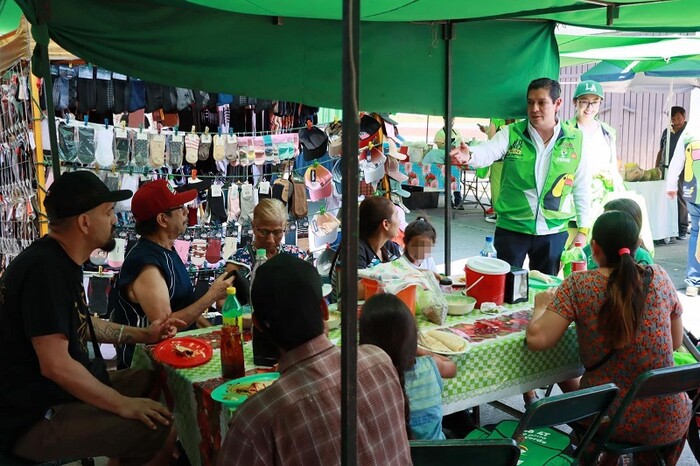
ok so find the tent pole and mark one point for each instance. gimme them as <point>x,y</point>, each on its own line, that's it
<point>348,278</point>
<point>668,128</point>
<point>448,36</point>
<point>37,116</point>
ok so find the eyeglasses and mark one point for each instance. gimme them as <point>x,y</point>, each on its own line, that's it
<point>264,233</point>
<point>589,103</point>
<point>180,207</point>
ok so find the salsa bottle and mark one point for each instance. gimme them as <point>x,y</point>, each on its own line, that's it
<point>232,362</point>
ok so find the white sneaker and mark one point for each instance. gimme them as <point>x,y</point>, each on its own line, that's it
<point>491,218</point>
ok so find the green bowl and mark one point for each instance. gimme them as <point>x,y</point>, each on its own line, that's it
<point>459,304</point>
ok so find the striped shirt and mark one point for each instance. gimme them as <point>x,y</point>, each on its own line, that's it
<point>296,421</point>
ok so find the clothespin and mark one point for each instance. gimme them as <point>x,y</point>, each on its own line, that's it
<point>67,118</point>
<point>106,123</point>
<point>219,131</point>
<point>206,130</point>
<point>316,164</point>
<point>131,169</point>
<point>114,168</point>
<point>176,128</point>
<point>99,270</point>
<point>230,131</point>
<point>192,130</point>
<point>140,127</point>
<point>322,210</point>
<point>123,124</point>
<point>145,171</point>
<point>193,176</point>
<point>85,119</point>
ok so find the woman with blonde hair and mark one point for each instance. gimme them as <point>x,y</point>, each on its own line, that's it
<point>269,227</point>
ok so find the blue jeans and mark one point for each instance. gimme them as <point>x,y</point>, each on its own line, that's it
<point>693,270</point>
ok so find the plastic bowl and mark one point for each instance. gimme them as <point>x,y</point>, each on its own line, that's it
<point>459,304</point>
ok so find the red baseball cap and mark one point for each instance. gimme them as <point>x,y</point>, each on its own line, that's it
<point>157,196</point>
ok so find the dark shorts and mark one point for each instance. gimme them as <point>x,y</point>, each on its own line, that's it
<point>79,430</point>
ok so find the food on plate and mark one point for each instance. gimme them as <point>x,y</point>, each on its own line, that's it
<point>246,389</point>
<point>443,341</point>
<point>537,275</point>
<point>183,351</point>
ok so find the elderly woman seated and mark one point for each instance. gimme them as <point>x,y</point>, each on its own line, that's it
<point>269,227</point>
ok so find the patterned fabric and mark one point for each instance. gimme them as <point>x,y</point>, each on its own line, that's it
<point>296,421</point>
<point>651,421</point>
<point>424,390</point>
<point>243,256</point>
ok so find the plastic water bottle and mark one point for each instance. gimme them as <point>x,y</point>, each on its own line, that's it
<point>488,250</point>
<point>232,362</point>
<point>260,259</point>
<point>574,259</point>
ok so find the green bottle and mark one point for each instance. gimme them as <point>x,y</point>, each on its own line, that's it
<point>232,312</point>
<point>232,361</point>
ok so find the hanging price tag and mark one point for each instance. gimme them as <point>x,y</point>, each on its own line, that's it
<point>216,190</point>
<point>264,187</point>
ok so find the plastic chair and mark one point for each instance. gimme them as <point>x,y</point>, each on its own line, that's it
<point>503,452</point>
<point>656,382</point>
<point>568,408</point>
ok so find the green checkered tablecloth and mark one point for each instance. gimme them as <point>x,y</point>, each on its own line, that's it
<point>491,370</point>
<point>501,367</point>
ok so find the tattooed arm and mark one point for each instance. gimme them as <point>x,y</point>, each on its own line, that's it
<point>109,332</point>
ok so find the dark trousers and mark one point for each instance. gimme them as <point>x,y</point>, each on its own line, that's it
<point>544,250</point>
<point>682,210</point>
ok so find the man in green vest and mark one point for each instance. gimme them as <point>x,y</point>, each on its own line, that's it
<point>684,170</point>
<point>544,183</point>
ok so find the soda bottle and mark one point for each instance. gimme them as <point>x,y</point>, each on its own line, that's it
<point>489,250</point>
<point>232,362</point>
<point>574,259</point>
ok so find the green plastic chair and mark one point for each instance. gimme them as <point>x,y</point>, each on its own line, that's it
<point>593,402</point>
<point>503,452</point>
<point>656,382</point>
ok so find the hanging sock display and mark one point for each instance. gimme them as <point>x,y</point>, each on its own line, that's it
<point>86,144</point>
<point>104,155</point>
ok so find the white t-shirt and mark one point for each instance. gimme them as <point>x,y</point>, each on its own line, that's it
<point>427,264</point>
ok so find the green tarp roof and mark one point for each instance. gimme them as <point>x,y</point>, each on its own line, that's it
<point>402,65</point>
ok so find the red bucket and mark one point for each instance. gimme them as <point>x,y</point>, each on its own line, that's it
<point>407,295</point>
<point>486,279</point>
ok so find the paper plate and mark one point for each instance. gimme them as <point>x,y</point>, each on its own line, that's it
<point>227,396</point>
<point>165,352</point>
<point>540,285</point>
<point>459,280</point>
<point>423,344</point>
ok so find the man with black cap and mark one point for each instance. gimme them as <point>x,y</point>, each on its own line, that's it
<point>57,403</point>
<point>153,282</point>
<point>296,420</point>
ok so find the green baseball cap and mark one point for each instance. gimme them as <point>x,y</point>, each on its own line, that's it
<point>588,87</point>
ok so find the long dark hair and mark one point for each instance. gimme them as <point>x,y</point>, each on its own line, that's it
<point>624,204</point>
<point>387,323</point>
<point>624,298</point>
<point>373,211</point>
<point>419,227</point>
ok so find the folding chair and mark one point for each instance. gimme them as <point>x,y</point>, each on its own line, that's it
<point>474,190</point>
<point>503,452</point>
<point>557,410</point>
<point>656,382</point>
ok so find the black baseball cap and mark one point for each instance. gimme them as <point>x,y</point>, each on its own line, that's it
<point>74,193</point>
<point>286,298</point>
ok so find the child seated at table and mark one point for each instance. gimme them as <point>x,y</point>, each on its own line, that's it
<point>387,323</point>
<point>419,239</point>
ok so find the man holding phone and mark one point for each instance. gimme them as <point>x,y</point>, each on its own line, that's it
<point>153,282</point>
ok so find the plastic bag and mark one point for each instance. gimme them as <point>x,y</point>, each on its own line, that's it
<point>431,302</point>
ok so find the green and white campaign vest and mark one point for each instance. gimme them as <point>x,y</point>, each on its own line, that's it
<point>519,205</point>
<point>691,168</point>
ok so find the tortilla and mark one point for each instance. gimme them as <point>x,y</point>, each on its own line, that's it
<point>537,275</point>
<point>248,389</point>
<point>183,351</point>
<point>446,341</point>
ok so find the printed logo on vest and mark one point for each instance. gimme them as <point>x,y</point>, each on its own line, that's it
<point>515,149</point>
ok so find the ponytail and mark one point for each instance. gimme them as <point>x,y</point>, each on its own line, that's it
<point>622,309</point>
